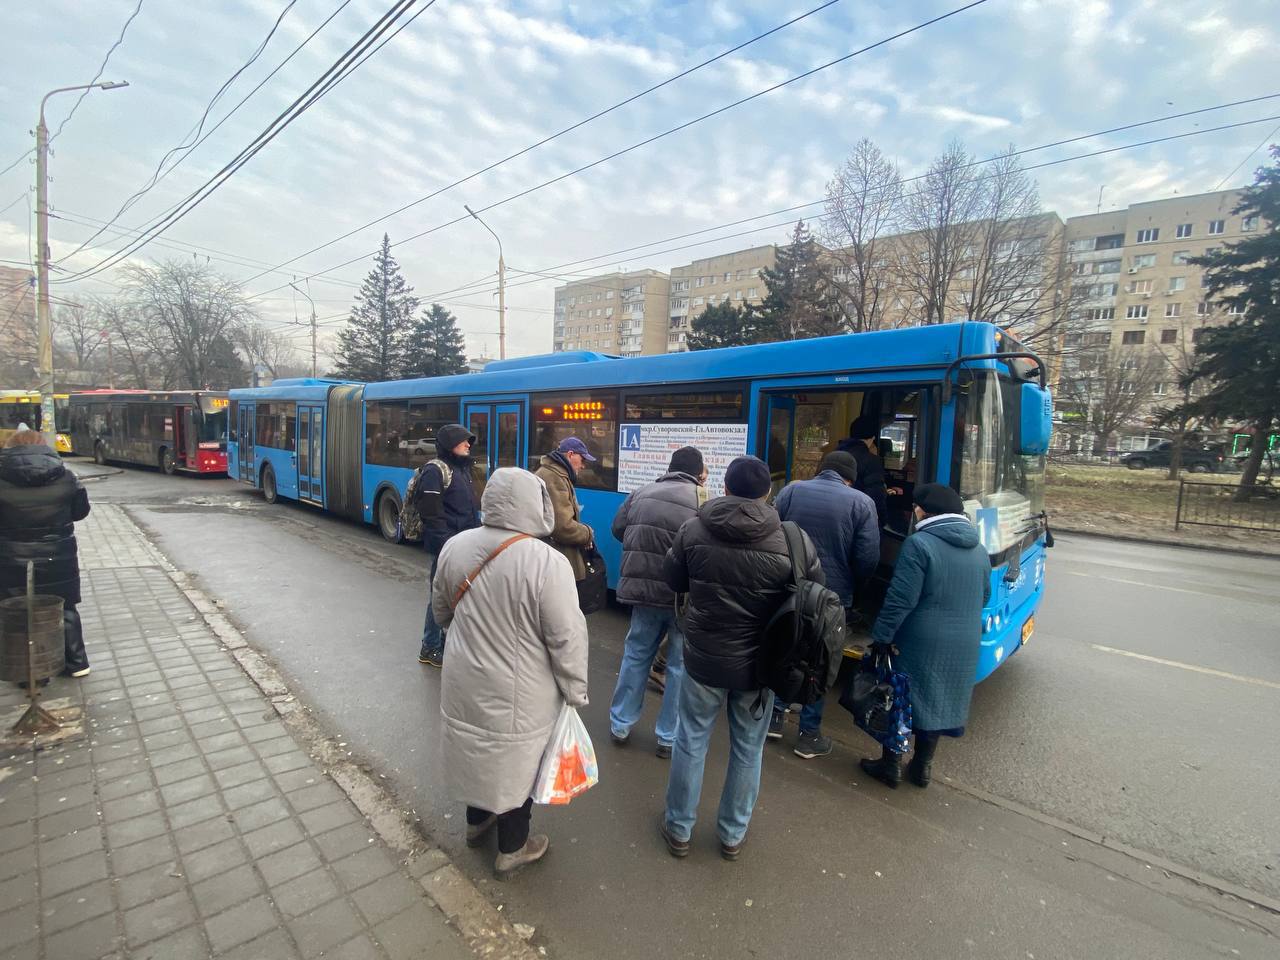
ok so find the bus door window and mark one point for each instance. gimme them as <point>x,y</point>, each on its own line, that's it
<point>185,441</point>
<point>247,437</point>
<point>478,424</point>
<point>782,416</point>
<point>304,452</point>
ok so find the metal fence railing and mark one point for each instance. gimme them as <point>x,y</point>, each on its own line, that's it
<point>1253,507</point>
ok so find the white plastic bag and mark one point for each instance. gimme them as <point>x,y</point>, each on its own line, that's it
<point>568,763</point>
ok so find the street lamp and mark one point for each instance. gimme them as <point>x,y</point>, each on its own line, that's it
<point>47,422</point>
<point>313,323</point>
<point>502,288</point>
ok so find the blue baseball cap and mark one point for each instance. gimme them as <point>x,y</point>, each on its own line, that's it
<point>574,445</point>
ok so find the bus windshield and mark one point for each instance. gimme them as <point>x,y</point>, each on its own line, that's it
<point>1003,490</point>
<point>213,426</point>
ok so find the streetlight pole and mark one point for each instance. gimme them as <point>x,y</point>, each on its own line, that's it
<point>502,288</point>
<point>47,422</point>
<point>313,325</point>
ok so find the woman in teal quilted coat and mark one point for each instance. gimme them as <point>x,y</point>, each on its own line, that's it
<point>933,615</point>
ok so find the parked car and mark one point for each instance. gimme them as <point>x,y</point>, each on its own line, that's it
<point>1194,459</point>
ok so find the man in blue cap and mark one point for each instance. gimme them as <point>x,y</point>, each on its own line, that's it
<point>559,471</point>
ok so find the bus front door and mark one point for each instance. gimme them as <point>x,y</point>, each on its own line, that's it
<point>499,433</point>
<point>246,433</point>
<point>311,453</point>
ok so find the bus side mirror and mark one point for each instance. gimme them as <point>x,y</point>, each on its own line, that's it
<point>1035,420</point>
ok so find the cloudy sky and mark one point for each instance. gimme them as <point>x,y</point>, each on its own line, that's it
<point>470,82</point>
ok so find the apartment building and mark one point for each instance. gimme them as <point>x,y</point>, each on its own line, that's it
<point>733,278</point>
<point>1136,292</point>
<point>616,313</point>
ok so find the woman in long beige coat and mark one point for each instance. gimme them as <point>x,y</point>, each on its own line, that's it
<point>517,652</point>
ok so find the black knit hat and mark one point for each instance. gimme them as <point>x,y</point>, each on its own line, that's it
<point>747,477</point>
<point>842,463</point>
<point>935,498</point>
<point>864,428</point>
<point>686,460</point>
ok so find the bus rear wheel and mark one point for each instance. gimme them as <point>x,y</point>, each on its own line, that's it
<point>100,454</point>
<point>269,491</point>
<point>167,463</point>
<point>389,517</point>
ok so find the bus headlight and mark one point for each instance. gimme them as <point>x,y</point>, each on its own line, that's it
<point>986,625</point>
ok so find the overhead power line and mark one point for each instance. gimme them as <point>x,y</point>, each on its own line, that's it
<point>666,133</point>
<point>464,290</point>
<point>160,174</point>
<point>1237,167</point>
<point>350,60</point>
<point>545,140</point>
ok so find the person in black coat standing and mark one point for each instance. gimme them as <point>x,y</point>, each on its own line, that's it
<point>647,523</point>
<point>861,442</point>
<point>447,508</point>
<point>40,502</point>
<point>732,561</point>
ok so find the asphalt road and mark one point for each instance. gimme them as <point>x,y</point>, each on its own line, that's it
<point>1141,716</point>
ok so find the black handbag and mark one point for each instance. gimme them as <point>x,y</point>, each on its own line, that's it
<point>877,696</point>
<point>593,589</point>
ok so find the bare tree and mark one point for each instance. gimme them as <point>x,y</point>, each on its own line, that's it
<point>1104,388</point>
<point>269,348</point>
<point>138,355</point>
<point>939,218</point>
<point>77,330</point>
<point>197,312</point>
<point>1180,360</point>
<point>862,208</point>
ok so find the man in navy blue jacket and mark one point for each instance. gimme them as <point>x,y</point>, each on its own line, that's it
<point>843,525</point>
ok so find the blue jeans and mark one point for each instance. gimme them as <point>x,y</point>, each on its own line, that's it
<point>432,635</point>
<point>699,707</point>
<point>641,646</point>
<point>810,716</point>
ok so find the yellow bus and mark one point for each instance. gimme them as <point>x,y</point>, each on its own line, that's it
<point>23,406</point>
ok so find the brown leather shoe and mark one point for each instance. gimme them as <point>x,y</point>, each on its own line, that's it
<point>731,851</point>
<point>676,847</point>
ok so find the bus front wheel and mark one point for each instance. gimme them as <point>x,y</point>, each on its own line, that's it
<point>100,453</point>
<point>167,463</point>
<point>269,492</point>
<point>389,517</point>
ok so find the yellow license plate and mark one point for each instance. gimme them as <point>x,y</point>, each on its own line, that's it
<point>1028,628</point>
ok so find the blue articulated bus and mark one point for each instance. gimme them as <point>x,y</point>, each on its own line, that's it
<point>962,404</point>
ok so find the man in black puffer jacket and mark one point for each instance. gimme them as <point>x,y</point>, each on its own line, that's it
<point>40,502</point>
<point>646,523</point>
<point>446,510</point>
<point>732,562</point>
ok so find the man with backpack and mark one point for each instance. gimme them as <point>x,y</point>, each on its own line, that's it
<point>442,492</point>
<point>733,561</point>
<point>646,523</point>
<point>842,523</point>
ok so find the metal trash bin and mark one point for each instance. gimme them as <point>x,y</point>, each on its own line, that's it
<point>48,655</point>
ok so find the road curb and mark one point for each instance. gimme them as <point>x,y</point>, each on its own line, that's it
<point>1158,541</point>
<point>486,932</point>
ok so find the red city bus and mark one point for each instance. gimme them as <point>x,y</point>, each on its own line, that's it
<point>172,429</point>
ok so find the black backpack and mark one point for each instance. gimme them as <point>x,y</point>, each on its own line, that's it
<point>804,640</point>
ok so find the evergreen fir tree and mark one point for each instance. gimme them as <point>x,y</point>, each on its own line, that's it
<point>436,345</point>
<point>724,325</point>
<point>373,345</point>
<point>1240,362</point>
<point>799,303</point>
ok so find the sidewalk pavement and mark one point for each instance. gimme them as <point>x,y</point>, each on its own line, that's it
<point>189,822</point>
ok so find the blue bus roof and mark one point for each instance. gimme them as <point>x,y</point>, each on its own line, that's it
<point>924,347</point>
<point>293,388</point>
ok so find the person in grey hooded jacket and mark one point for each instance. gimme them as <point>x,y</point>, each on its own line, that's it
<point>933,615</point>
<point>646,523</point>
<point>517,654</point>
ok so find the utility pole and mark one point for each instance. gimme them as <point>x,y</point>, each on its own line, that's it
<point>313,324</point>
<point>45,350</point>
<point>502,288</point>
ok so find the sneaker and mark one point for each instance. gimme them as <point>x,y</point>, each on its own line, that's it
<point>432,658</point>
<point>664,751</point>
<point>508,864</point>
<point>83,672</point>
<point>775,726</point>
<point>620,739</point>
<point>476,833</point>
<point>812,744</point>
<point>676,847</point>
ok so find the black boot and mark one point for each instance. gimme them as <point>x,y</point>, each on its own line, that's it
<point>888,769</point>
<point>920,769</point>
